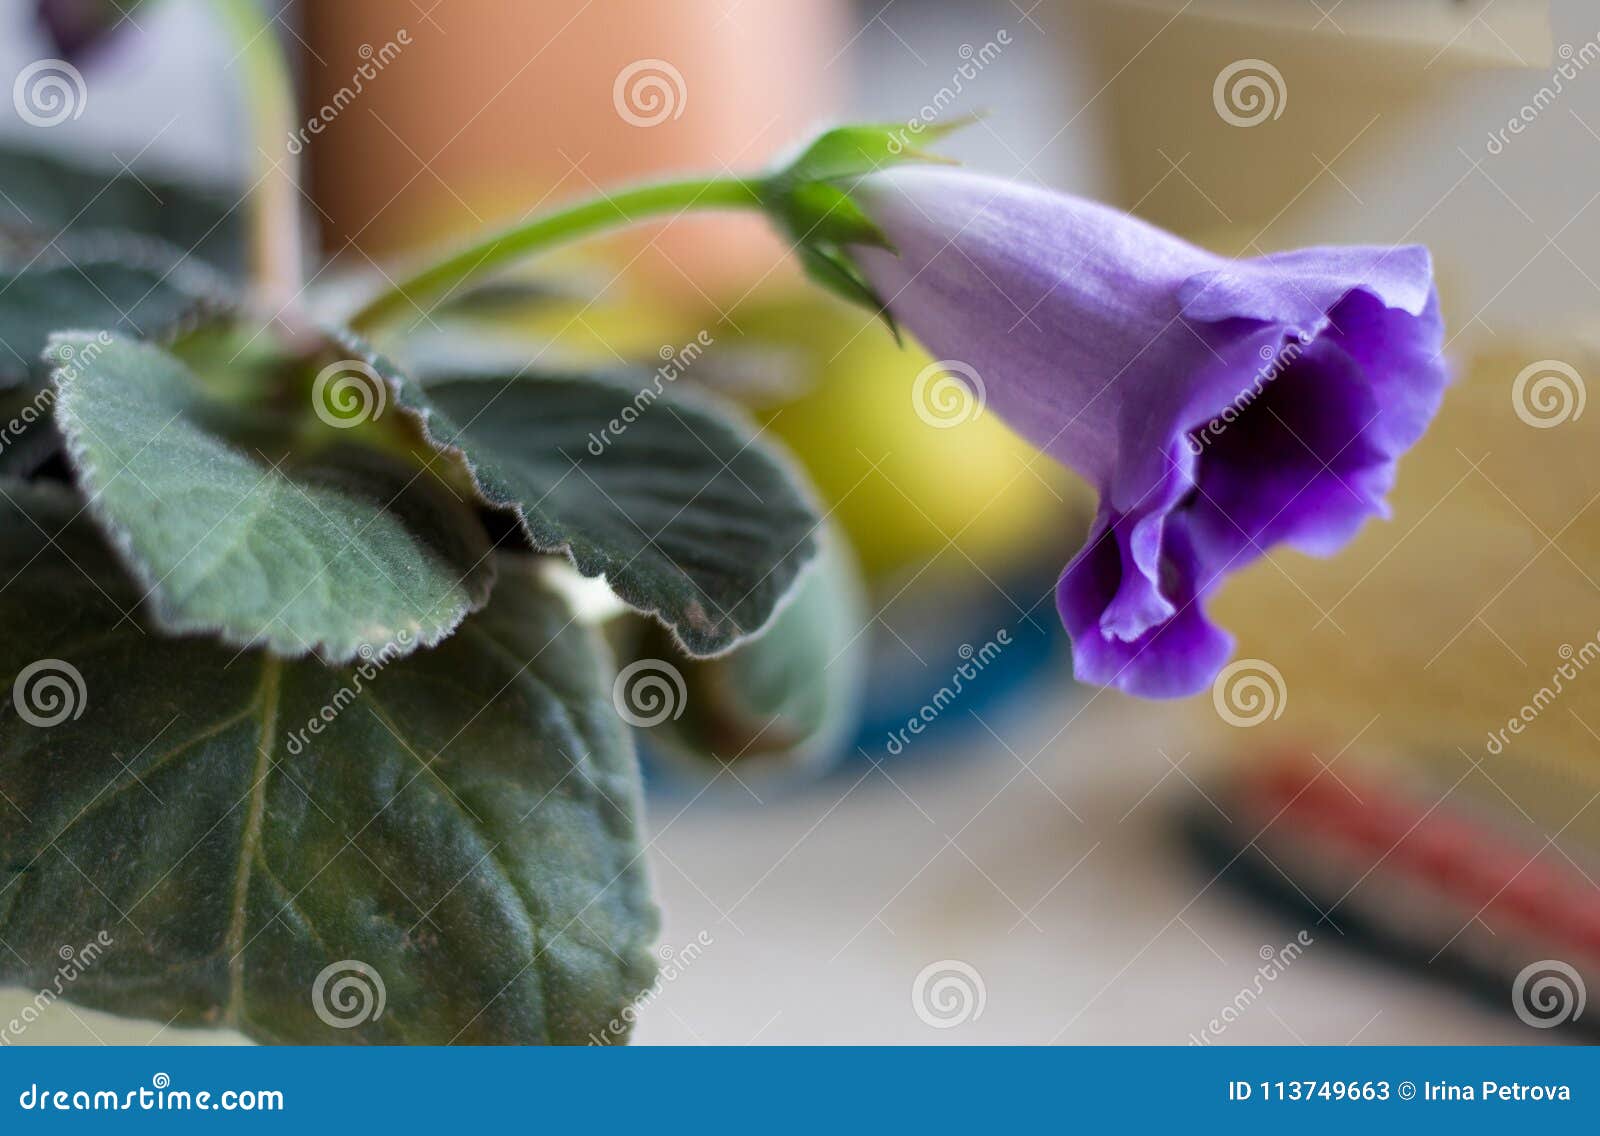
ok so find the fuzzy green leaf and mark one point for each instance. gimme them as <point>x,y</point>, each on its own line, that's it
<point>460,832</point>
<point>331,555</point>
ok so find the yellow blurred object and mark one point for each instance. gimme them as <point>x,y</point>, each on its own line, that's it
<point>1477,604</point>
<point>905,490</point>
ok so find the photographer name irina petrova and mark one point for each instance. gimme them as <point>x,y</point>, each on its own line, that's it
<point>1382,1091</point>
<point>1494,1091</point>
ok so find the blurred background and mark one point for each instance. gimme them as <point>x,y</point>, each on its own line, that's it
<point>1348,841</point>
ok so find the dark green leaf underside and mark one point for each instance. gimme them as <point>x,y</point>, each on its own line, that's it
<point>45,196</point>
<point>687,517</point>
<point>785,699</point>
<point>465,826</point>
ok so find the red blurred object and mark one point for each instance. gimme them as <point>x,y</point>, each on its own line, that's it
<point>1483,876</point>
<point>1374,827</point>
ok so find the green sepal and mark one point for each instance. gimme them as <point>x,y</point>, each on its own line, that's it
<point>848,152</point>
<point>820,212</point>
<point>832,269</point>
<point>810,198</point>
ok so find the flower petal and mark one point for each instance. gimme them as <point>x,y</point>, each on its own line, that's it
<point>1300,288</point>
<point>1175,657</point>
<point>1054,301</point>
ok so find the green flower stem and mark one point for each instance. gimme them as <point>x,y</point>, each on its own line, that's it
<point>274,202</point>
<point>611,210</point>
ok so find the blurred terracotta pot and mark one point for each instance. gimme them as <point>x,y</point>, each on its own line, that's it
<point>476,112</point>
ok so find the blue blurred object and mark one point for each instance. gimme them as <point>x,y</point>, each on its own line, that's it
<point>943,652</point>
<point>945,656</point>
